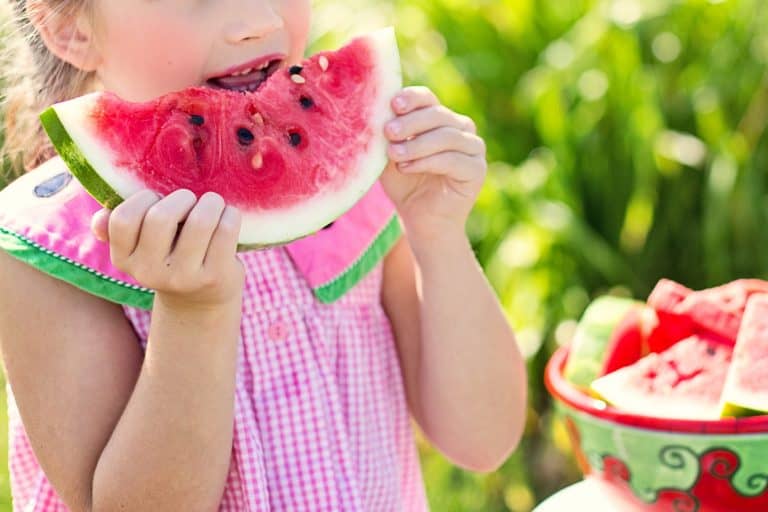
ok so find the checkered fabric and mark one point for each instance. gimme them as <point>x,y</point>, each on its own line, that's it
<point>321,422</point>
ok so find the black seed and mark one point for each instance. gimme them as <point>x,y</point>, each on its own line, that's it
<point>196,120</point>
<point>295,139</point>
<point>295,70</point>
<point>711,350</point>
<point>329,226</point>
<point>245,136</point>
<point>306,102</point>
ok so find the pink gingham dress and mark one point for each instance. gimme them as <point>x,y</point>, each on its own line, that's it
<point>321,421</point>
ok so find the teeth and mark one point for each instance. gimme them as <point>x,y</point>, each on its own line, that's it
<point>248,71</point>
<point>243,72</point>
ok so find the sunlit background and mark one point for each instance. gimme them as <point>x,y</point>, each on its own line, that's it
<point>626,141</point>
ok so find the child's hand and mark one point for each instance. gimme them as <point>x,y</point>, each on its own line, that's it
<point>196,269</point>
<point>437,163</point>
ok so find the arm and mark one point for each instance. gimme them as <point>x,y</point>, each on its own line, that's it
<point>113,432</point>
<point>464,375</point>
<point>465,378</point>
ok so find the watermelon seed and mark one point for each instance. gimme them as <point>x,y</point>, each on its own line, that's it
<point>295,139</point>
<point>295,70</point>
<point>306,102</point>
<point>258,161</point>
<point>298,79</point>
<point>196,120</point>
<point>258,119</point>
<point>323,61</point>
<point>245,136</point>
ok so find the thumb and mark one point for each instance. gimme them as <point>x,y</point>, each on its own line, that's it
<point>100,224</point>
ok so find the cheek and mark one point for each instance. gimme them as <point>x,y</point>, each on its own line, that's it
<point>297,15</point>
<point>164,59</point>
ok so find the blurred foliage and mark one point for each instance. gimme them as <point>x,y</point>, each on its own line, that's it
<point>626,141</point>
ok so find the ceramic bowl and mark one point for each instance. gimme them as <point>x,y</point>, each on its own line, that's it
<point>665,465</point>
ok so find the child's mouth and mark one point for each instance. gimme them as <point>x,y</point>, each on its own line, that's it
<point>247,79</point>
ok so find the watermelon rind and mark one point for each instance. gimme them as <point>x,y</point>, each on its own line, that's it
<point>745,391</point>
<point>585,359</point>
<point>77,162</point>
<point>67,126</point>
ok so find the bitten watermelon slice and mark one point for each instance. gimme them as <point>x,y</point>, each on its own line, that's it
<point>683,382</point>
<point>292,156</point>
<point>746,388</point>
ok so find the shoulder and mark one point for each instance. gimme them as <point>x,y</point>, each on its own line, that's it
<point>31,299</point>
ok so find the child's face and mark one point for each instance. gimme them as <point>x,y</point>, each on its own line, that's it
<point>150,47</point>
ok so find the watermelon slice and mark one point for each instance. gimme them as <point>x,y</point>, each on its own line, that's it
<point>683,382</point>
<point>746,388</point>
<point>592,337</point>
<point>293,156</point>
<point>719,310</point>
<point>716,312</point>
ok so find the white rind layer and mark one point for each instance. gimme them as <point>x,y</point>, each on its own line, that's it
<point>269,227</point>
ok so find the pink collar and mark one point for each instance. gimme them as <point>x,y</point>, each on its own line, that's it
<point>45,221</point>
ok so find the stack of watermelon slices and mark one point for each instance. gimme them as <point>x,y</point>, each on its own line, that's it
<point>683,354</point>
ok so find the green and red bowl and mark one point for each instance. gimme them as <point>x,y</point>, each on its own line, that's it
<point>665,465</point>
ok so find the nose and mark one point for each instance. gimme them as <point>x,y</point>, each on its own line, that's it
<point>255,19</point>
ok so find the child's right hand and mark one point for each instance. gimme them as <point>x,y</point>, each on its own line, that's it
<point>199,269</point>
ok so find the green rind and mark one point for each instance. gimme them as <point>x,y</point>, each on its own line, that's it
<point>592,336</point>
<point>77,162</point>
<point>738,411</point>
<point>345,281</point>
<point>74,273</point>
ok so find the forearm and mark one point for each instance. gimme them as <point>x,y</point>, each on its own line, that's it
<point>171,448</point>
<point>471,379</point>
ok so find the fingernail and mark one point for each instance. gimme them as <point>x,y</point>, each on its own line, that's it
<point>400,103</point>
<point>394,128</point>
<point>399,149</point>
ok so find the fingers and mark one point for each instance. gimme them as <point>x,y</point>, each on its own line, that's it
<point>439,140</point>
<point>161,224</point>
<point>458,166</point>
<point>125,225</point>
<point>425,120</point>
<point>100,224</point>
<point>198,229</point>
<point>224,240</point>
<point>413,98</point>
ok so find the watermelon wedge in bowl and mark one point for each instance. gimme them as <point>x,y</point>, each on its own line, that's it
<point>293,155</point>
<point>656,435</point>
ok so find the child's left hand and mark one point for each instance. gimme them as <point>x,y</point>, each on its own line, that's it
<point>437,164</point>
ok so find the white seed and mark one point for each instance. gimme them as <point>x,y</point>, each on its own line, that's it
<point>298,79</point>
<point>323,61</point>
<point>258,119</point>
<point>258,161</point>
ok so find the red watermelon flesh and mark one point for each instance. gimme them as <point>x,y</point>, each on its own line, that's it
<point>719,311</point>
<point>671,326</point>
<point>683,382</point>
<point>746,389</point>
<point>667,294</point>
<point>629,340</point>
<point>292,156</point>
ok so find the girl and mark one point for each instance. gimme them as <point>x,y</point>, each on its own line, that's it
<point>236,388</point>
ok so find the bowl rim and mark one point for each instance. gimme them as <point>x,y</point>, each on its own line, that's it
<point>573,397</point>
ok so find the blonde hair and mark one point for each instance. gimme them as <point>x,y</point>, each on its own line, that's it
<point>33,79</point>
